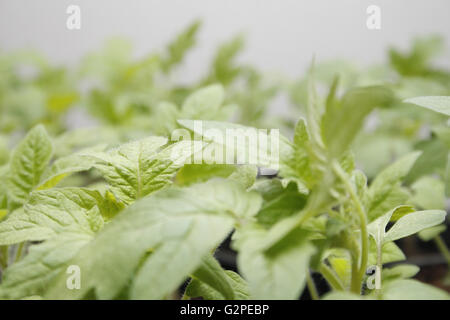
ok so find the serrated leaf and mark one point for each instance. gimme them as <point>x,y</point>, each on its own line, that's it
<point>33,274</point>
<point>48,213</point>
<point>354,106</point>
<point>28,162</point>
<point>160,239</point>
<point>63,167</point>
<point>240,144</point>
<point>139,168</point>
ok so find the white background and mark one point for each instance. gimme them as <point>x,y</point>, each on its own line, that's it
<point>282,35</point>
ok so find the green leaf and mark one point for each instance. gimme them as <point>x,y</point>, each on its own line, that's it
<point>178,48</point>
<point>66,166</point>
<point>28,162</point>
<point>409,223</point>
<point>390,252</point>
<point>203,102</point>
<point>429,193</point>
<point>48,213</point>
<point>355,105</point>
<point>439,104</point>
<point>159,239</point>
<point>280,273</point>
<point>139,168</point>
<point>406,289</point>
<point>296,162</point>
<point>33,274</point>
<point>238,146</point>
<point>195,173</point>
<point>385,192</point>
<point>210,275</point>
<point>413,223</point>
<point>433,159</point>
<point>245,175</point>
<point>279,201</point>
<point>402,271</point>
<point>431,233</point>
<point>197,288</point>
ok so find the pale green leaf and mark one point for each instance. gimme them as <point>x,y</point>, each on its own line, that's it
<point>203,102</point>
<point>406,289</point>
<point>161,239</point>
<point>280,274</point>
<point>439,104</point>
<point>28,162</point>
<point>33,274</point>
<point>196,288</point>
<point>48,213</point>
<point>139,168</point>
<point>431,233</point>
<point>385,192</point>
<point>414,222</point>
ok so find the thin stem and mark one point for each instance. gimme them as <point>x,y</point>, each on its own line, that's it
<point>356,281</point>
<point>311,287</point>
<point>19,251</point>
<point>5,257</point>
<point>331,277</point>
<point>363,224</point>
<point>443,248</point>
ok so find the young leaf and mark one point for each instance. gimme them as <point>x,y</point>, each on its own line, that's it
<point>197,288</point>
<point>352,109</point>
<point>385,192</point>
<point>33,274</point>
<point>28,162</point>
<point>160,239</point>
<point>280,274</point>
<point>139,168</point>
<point>431,233</point>
<point>48,213</point>
<point>406,289</point>
<point>439,104</point>
<point>413,223</point>
<point>203,102</point>
<point>211,274</point>
<point>409,223</point>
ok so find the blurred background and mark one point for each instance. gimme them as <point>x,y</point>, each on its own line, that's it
<point>281,35</point>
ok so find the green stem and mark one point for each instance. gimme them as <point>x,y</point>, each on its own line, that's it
<point>311,287</point>
<point>363,224</point>
<point>331,277</point>
<point>355,282</point>
<point>19,251</point>
<point>5,257</point>
<point>443,248</point>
